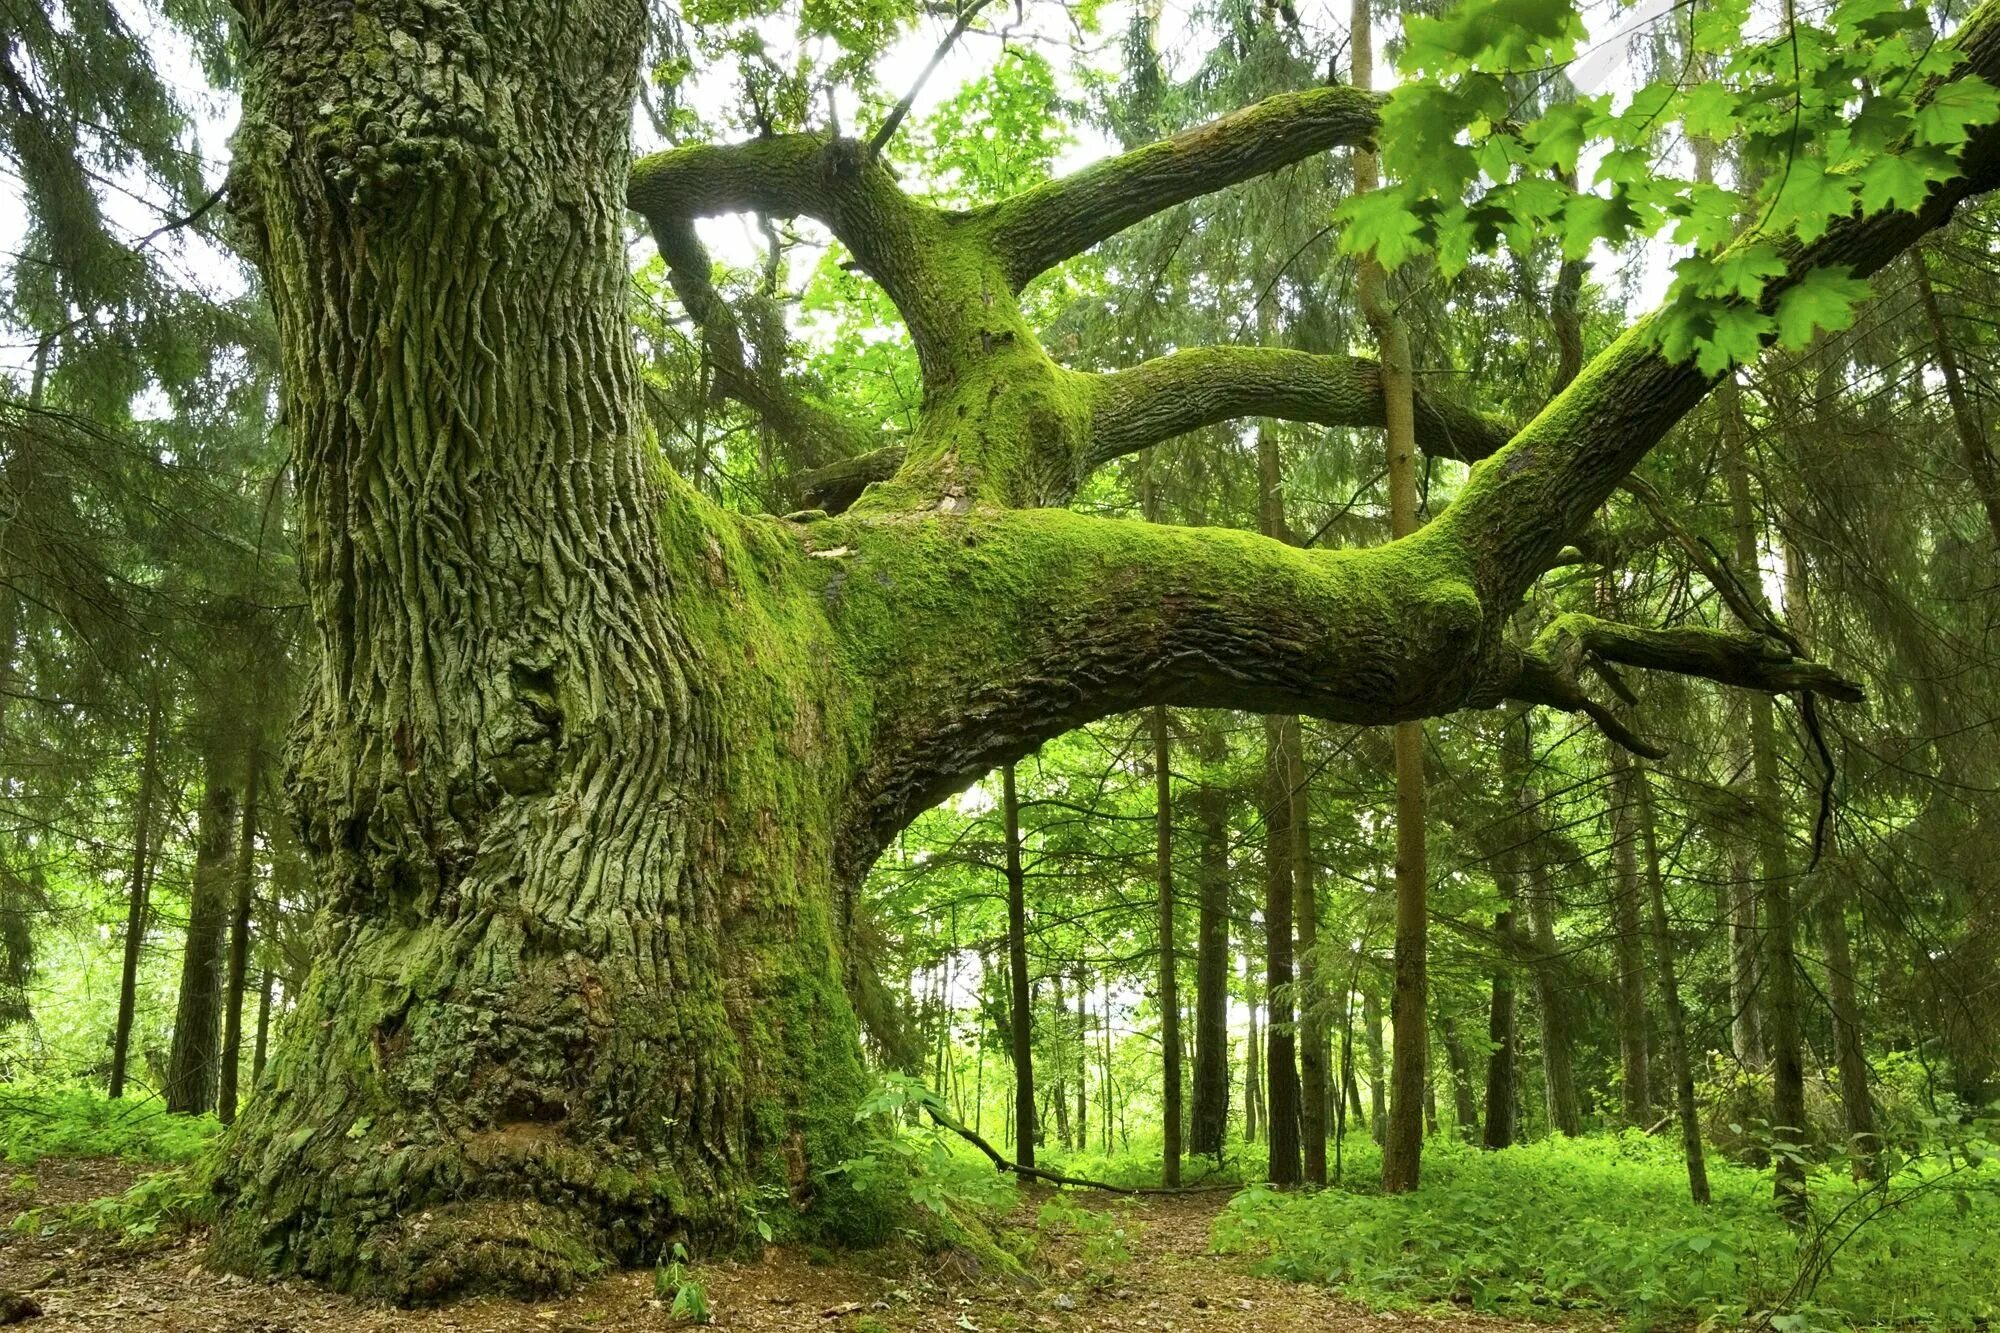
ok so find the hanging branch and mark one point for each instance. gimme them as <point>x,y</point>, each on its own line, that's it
<point>1001,1162</point>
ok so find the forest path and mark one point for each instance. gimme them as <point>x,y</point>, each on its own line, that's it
<point>1167,1282</point>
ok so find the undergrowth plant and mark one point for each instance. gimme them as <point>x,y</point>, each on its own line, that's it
<point>70,1122</point>
<point>1604,1224</point>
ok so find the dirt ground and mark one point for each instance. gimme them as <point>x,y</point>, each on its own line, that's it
<point>1169,1284</point>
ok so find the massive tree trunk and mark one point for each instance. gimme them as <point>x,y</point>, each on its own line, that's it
<point>192,1064</point>
<point>589,768</point>
<point>572,755</point>
<point>1020,1014</point>
<point>1210,1119</point>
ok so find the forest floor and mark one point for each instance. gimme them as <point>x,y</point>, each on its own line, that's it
<point>1168,1282</point>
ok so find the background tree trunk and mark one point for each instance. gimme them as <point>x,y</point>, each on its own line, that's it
<point>1210,1119</point>
<point>1371,1038</point>
<point>1635,1084</point>
<point>192,1064</point>
<point>245,897</point>
<point>1170,1000</point>
<point>1020,1016</point>
<point>1778,984</point>
<point>1464,1104</point>
<point>137,892</point>
<point>1402,1150</point>
<point>1500,1036</point>
<point>1670,994</point>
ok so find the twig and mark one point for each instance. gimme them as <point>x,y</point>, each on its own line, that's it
<point>880,139</point>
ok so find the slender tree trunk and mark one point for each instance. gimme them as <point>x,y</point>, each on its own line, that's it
<point>1964,416</point>
<point>1082,1062</point>
<point>1210,1120</point>
<point>1282,768</point>
<point>1060,1096</point>
<point>1551,1000</point>
<point>1500,1036</point>
<point>1020,1017</point>
<point>1636,1081</point>
<point>1678,1056</point>
<point>1281,1071</point>
<point>262,1048</point>
<point>1170,996</point>
<point>239,939</point>
<point>1253,1061</point>
<point>1402,1153</point>
<point>1850,1055</point>
<point>137,891</point>
<point>1779,986</point>
<point>192,1065</point>
<point>1314,1055</point>
<point>1746,1026</point>
<point>1464,1104</point>
<point>1378,1087</point>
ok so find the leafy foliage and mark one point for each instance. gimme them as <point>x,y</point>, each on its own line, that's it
<point>1604,1224</point>
<point>69,1122</point>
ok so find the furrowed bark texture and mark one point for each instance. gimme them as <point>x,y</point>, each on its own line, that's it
<point>566,761</point>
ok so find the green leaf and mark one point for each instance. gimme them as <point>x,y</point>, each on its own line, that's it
<point>1948,117</point>
<point>1737,338</point>
<point>1382,222</point>
<point>1811,199</point>
<point>1900,180</point>
<point>1824,298</point>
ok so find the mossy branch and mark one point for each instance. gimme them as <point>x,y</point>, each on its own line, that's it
<point>1038,229</point>
<point>1183,391</point>
<point>815,433</point>
<point>1551,668</point>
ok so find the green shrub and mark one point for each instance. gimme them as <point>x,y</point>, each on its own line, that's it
<point>1606,1224</point>
<point>69,1122</point>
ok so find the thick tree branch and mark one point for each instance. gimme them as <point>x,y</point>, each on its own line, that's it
<point>982,635</point>
<point>1036,230</point>
<point>900,242</point>
<point>1183,391</point>
<point>838,485</point>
